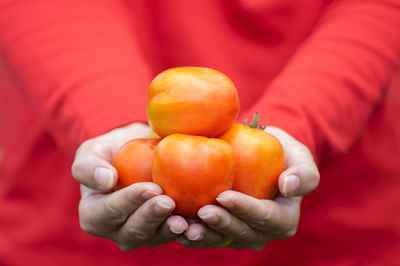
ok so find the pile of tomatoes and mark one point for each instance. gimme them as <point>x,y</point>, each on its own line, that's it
<point>200,151</point>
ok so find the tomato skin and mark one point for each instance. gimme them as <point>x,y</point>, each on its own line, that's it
<point>192,100</point>
<point>259,160</point>
<point>133,161</point>
<point>192,170</point>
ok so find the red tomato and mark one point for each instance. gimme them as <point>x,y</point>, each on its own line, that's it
<point>192,100</point>
<point>259,160</point>
<point>192,170</point>
<point>133,161</point>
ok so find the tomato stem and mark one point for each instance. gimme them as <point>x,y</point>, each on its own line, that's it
<point>254,123</point>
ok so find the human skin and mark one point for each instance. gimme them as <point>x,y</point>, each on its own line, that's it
<point>139,215</point>
<point>247,222</point>
<point>133,217</point>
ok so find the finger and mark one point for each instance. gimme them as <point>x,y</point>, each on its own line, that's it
<point>169,230</point>
<point>92,167</point>
<point>173,226</point>
<point>301,176</point>
<point>143,225</point>
<point>199,235</point>
<point>102,213</point>
<point>227,224</point>
<point>121,135</point>
<point>279,216</point>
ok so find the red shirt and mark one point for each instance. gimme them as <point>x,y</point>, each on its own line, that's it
<point>325,71</point>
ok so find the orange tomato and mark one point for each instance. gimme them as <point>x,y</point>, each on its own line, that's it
<point>192,170</point>
<point>133,161</point>
<point>259,160</point>
<point>192,100</point>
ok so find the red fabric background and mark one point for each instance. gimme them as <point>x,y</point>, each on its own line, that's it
<point>322,70</point>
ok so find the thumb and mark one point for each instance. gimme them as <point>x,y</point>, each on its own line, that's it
<point>301,176</point>
<point>92,169</point>
<point>92,165</point>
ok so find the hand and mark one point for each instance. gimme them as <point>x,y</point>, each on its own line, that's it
<point>247,222</point>
<point>132,217</point>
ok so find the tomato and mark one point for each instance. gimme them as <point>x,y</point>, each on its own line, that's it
<point>192,100</point>
<point>192,170</point>
<point>133,161</point>
<point>259,160</point>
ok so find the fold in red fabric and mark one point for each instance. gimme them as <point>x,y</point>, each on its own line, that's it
<point>327,72</point>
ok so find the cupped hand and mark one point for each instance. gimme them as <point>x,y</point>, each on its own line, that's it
<point>133,217</point>
<point>242,221</point>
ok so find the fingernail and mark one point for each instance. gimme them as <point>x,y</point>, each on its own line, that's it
<point>103,177</point>
<point>176,230</point>
<point>290,184</point>
<point>225,202</point>
<point>162,208</point>
<point>196,238</point>
<point>148,194</point>
<point>210,218</point>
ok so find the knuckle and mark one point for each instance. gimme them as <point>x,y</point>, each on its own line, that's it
<point>242,206</point>
<point>303,149</point>
<point>311,170</point>
<point>113,211</point>
<point>85,223</point>
<point>76,169</point>
<point>242,232</point>
<point>261,224</point>
<point>309,174</point>
<point>313,184</point>
<point>85,146</point>
<point>81,147</point>
<point>136,234</point>
<point>313,176</point>
<point>306,168</point>
<point>265,218</point>
<point>316,179</point>
<point>94,146</point>
<point>88,228</point>
<point>89,145</point>
<point>224,225</point>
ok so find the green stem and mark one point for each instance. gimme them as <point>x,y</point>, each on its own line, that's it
<point>254,123</point>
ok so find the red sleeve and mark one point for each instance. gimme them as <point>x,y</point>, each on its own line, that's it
<point>331,86</point>
<point>78,62</point>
